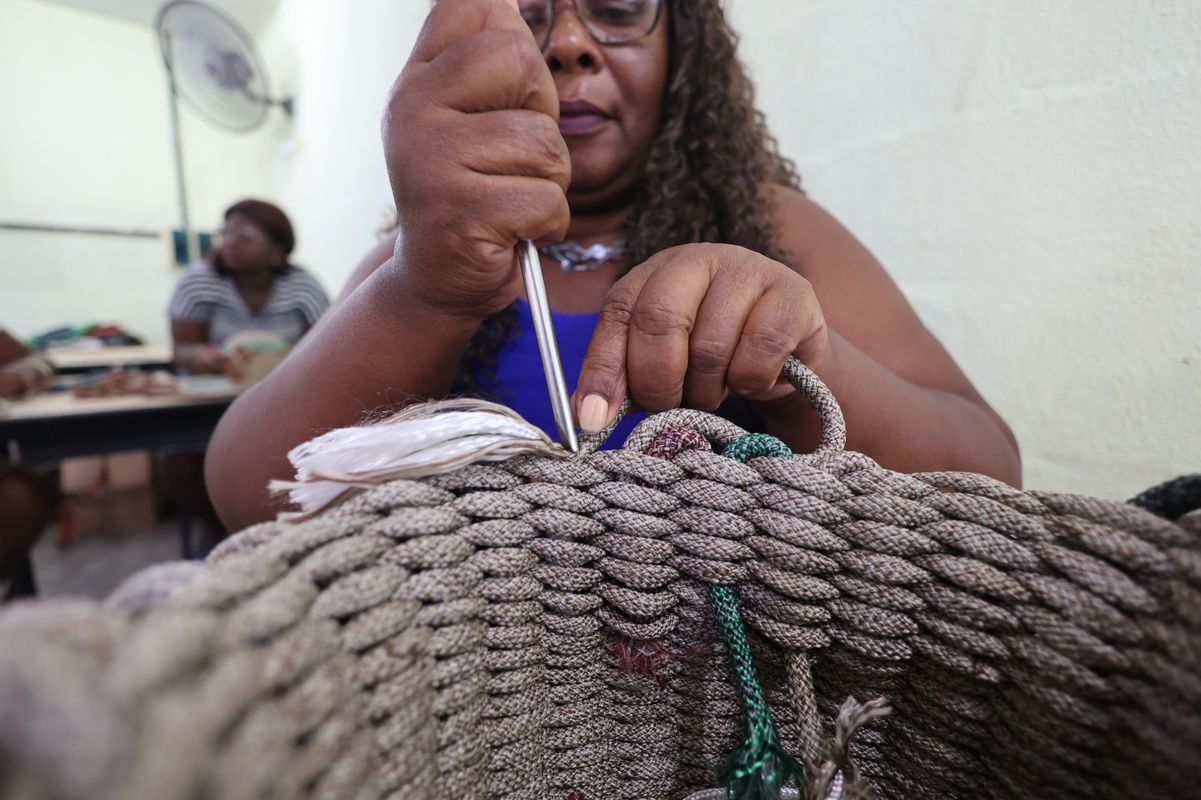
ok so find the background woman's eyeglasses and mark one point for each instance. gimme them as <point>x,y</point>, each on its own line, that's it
<point>607,21</point>
<point>245,233</point>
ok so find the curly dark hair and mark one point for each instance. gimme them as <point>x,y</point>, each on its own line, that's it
<point>706,175</point>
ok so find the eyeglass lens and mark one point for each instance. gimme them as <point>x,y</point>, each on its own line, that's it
<point>607,21</point>
<point>245,233</point>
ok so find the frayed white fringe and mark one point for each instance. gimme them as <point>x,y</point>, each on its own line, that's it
<point>422,440</point>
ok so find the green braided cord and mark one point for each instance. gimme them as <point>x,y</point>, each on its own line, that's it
<point>754,445</point>
<point>760,767</point>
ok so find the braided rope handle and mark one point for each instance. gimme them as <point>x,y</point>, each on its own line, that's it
<point>829,414</point>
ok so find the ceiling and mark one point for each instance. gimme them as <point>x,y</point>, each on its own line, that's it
<point>251,14</point>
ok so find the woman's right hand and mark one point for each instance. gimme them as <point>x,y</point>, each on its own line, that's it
<point>474,156</point>
<point>201,359</point>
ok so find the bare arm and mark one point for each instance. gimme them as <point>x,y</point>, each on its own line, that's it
<point>375,347</point>
<point>192,351</point>
<point>21,369</point>
<point>907,403</point>
<point>11,349</point>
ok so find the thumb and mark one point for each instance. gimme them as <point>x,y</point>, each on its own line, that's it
<point>602,385</point>
<point>450,21</point>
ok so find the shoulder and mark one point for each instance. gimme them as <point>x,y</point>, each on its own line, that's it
<point>201,283</point>
<point>823,250</point>
<point>197,292</point>
<point>298,290</point>
<point>860,299</point>
<point>199,276</point>
<point>803,227</point>
<point>301,280</point>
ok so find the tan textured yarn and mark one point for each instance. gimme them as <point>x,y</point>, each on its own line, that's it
<point>461,636</point>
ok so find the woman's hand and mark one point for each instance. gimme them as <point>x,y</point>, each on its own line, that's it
<point>30,373</point>
<point>211,360</point>
<point>200,358</point>
<point>474,156</point>
<point>13,385</point>
<point>695,323</point>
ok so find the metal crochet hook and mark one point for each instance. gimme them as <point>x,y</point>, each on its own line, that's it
<point>548,346</point>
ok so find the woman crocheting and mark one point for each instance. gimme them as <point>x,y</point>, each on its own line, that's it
<point>683,261</point>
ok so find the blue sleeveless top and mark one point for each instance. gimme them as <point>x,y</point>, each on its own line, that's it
<point>520,383</point>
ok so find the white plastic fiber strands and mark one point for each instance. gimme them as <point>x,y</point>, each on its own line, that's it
<point>422,440</point>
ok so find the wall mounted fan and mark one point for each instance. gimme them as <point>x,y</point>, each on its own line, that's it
<point>212,65</point>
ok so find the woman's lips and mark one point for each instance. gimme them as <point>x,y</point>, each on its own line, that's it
<point>578,117</point>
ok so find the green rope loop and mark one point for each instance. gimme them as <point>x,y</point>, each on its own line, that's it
<point>760,767</point>
<point>754,445</point>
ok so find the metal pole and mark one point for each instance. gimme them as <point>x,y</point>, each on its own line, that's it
<point>548,347</point>
<point>180,182</point>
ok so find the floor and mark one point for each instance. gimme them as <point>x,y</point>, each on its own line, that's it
<point>117,535</point>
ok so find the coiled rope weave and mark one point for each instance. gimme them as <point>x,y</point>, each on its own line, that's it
<point>543,628</point>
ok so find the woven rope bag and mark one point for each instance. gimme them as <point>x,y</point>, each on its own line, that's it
<point>630,624</point>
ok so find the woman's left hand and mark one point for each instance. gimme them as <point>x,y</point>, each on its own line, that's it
<point>13,385</point>
<point>695,323</point>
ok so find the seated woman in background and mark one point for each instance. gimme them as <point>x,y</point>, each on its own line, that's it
<point>248,285</point>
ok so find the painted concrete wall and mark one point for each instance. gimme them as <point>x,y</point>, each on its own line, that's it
<point>339,59</point>
<point>1030,173</point>
<point>85,140</point>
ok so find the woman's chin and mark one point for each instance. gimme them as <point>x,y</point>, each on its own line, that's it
<point>584,199</point>
<point>598,188</point>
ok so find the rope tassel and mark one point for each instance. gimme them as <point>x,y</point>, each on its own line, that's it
<point>419,441</point>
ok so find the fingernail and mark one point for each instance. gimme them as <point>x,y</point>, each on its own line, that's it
<point>594,413</point>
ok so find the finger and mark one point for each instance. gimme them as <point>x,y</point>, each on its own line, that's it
<point>452,20</point>
<point>602,384</point>
<point>507,209</point>
<point>517,142</point>
<point>491,70</point>
<point>526,208</point>
<point>777,324</point>
<point>719,322</point>
<point>660,329</point>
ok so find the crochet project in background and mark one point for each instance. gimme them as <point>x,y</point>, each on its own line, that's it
<point>699,609</point>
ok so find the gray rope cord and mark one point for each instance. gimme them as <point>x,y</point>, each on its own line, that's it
<point>454,637</point>
<point>833,425</point>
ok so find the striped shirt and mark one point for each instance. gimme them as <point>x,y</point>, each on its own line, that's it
<point>295,304</point>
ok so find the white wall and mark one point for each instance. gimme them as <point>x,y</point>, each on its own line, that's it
<point>340,60</point>
<point>85,140</point>
<point>1030,172</point>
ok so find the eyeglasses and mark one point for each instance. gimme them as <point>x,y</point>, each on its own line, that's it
<point>245,233</point>
<point>607,21</point>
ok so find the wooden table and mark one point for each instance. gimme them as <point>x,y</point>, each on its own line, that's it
<point>83,359</point>
<point>52,426</point>
<point>57,425</point>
